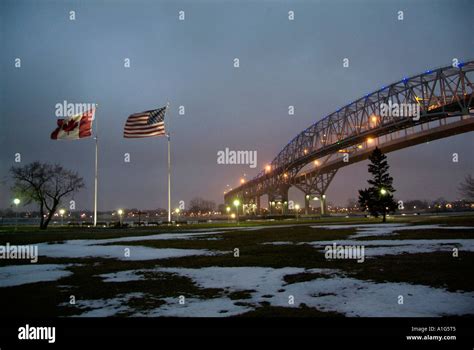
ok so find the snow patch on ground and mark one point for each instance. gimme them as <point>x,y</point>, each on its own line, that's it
<point>216,307</point>
<point>365,230</point>
<point>331,292</point>
<point>106,307</point>
<point>16,275</point>
<point>157,237</point>
<point>88,249</point>
<point>381,247</point>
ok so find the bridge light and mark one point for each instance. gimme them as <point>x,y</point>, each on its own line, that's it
<point>305,151</point>
<point>242,180</point>
<point>418,99</point>
<point>268,168</point>
<point>359,146</point>
<point>370,140</point>
<point>316,162</point>
<point>374,119</point>
<point>285,175</point>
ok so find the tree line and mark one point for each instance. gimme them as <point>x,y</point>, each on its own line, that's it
<point>48,185</point>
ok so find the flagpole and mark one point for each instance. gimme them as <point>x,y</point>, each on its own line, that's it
<point>169,166</point>
<point>96,171</point>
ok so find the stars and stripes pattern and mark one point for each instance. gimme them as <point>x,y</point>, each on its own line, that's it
<point>146,124</point>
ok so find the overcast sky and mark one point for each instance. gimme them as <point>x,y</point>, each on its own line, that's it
<point>190,63</point>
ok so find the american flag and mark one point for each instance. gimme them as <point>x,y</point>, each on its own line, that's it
<point>145,124</point>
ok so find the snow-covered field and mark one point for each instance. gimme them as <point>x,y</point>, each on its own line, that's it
<point>242,289</point>
<point>332,292</point>
<point>90,249</point>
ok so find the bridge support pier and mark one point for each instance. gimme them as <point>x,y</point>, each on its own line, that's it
<point>284,199</point>
<point>271,204</point>
<point>316,185</point>
<point>278,200</point>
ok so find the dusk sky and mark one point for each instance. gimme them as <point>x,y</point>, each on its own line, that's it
<point>190,63</point>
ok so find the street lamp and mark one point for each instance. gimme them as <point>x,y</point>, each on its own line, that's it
<point>61,212</point>
<point>237,204</point>
<point>17,202</point>
<point>120,213</point>
<point>177,213</point>
<point>297,207</point>
<point>383,191</point>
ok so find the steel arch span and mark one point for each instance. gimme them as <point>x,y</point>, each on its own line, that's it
<point>444,98</point>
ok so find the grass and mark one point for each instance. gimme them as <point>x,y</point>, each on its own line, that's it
<point>50,299</point>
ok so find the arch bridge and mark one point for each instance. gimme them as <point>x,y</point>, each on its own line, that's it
<point>435,104</point>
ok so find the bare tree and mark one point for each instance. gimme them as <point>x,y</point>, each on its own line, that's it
<point>45,184</point>
<point>466,189</point>
<point>198,204</point>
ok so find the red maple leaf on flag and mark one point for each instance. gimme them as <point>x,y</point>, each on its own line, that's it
<point>69,126</point>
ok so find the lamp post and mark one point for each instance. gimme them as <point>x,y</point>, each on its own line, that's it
<point>323,205</point>
<point>120,213</point>
<point>297,208</point>
<point>237,204</point>
<point>17,202</point>
<point>61,213</point>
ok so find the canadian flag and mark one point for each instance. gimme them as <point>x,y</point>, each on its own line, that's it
<point>75,127</point>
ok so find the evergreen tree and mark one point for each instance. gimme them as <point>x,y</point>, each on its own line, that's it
<point>378,199</point>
